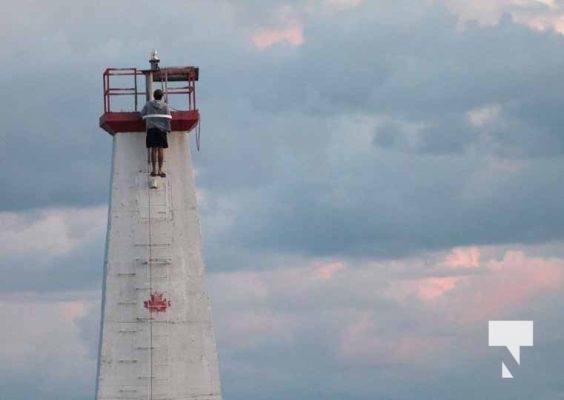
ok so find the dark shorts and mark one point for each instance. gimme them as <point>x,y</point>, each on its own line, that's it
<point>156,138</point>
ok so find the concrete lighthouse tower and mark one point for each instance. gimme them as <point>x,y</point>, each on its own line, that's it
<point>157,340</point>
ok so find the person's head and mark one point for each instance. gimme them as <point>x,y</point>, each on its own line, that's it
<point>158,94</point>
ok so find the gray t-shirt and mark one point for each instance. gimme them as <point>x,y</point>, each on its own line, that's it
<point>156,115</point>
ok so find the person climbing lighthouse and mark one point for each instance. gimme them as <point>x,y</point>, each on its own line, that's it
<point>157,121</point>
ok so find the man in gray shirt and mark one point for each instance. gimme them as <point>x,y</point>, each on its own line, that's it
<point>157,121</point>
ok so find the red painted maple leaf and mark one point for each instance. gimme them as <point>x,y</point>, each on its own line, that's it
<point>157,303</point>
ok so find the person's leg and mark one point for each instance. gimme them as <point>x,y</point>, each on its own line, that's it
<point>154,160</point>
<point>161,159</point>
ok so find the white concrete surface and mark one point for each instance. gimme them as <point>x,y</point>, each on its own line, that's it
<point>154,245</point>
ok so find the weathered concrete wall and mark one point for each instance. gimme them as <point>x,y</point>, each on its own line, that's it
<point>153,248</point>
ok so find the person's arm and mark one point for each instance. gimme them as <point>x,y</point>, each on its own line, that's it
<point>144,110</point>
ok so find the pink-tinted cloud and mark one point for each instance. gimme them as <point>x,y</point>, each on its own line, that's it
<point>498,287</point>
<point>292,34</point>
<point>423,288</point>
<point>511,282</point>
<point>462,287</point>
<point>542,22</point>
<point>502,284</point>
<point>463,257</point>
<point>327,271</point>
<point>433,287</point>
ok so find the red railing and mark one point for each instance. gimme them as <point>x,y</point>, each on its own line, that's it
<point>110,91</point>
<point>165,76</point>
<point>189,75</point>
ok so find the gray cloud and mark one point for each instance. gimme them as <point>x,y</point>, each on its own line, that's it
<point>447,188</point>
<point>79,270</point>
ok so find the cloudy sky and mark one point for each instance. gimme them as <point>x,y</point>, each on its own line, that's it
<point>378,179</point>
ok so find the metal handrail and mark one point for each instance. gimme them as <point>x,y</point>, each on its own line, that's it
<point>109,91</point>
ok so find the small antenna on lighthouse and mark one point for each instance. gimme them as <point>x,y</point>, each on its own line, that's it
<point>154,60</point>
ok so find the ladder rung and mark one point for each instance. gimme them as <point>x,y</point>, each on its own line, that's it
<point>157,262</point>
<point>153,378</point>
<point>161,260</point>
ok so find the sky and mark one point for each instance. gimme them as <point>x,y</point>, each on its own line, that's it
<point>377,180</point>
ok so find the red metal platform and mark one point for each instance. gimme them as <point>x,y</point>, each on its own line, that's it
<point>131,121</point>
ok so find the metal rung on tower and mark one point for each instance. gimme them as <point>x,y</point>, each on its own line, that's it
<point>152,244</point>
<point>155,261</point>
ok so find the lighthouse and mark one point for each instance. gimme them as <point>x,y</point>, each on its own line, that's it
<point>156,335</point>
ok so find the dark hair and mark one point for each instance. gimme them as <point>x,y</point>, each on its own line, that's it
<point>158,94</point>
